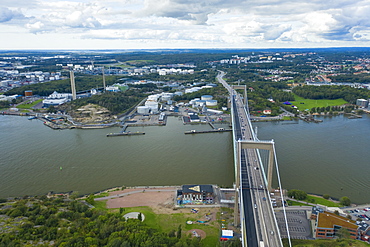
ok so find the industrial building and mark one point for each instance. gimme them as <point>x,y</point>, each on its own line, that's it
<point>194,117</point>
<point>153,106</point>
<point>211,102</point>
<point>143,110</point>
<point>206,97</point>
<point>195,194</point>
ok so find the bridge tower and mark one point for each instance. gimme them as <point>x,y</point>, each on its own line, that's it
<point>249,144</point>
<point>245,91</point>
<point>265,145</point>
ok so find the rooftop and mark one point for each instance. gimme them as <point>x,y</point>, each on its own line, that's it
<point>329,220</point>
<point>197,188</point>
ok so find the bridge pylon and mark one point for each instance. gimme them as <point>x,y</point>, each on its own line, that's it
<point>265,145</point>
<point>245,91</point>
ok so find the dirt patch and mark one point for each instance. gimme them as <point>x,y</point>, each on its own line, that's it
<point>152,197</point>
<point>196,233</point>
<point>91,113</point>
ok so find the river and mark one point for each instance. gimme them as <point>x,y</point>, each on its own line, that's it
<point>327,158</point>
<point>32,155</point>
<point>331,157</point>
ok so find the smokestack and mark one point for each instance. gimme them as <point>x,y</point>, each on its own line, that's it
<point>73,85</point>
<point>103,79</point>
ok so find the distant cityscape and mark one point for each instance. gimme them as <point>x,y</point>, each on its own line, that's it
<point>144,90</point>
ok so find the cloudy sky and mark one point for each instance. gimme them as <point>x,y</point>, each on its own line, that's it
<point>147,24</point>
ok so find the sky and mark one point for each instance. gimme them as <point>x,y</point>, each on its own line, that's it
<point>159,24</point>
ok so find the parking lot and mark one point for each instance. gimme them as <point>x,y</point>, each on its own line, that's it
<point>299,224</point>
<point>361,215</point>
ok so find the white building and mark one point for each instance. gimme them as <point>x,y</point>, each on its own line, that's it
<point>363,103</point>
<point>153,105</point>
<point>54,102</point>
<point>112,89</point>
<point>56,95</point>
<point>143,110</point>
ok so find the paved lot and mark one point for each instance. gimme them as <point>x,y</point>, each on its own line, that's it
<point>299,225</point>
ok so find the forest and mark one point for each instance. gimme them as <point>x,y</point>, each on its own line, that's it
<point>350,78</point>
<point>63,222</point>
<point>260,92</point>
<point>347,93</point>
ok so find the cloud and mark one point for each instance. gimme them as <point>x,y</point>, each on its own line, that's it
<point>7,14</point>
<point>273,32</point>
<point>215,21</point>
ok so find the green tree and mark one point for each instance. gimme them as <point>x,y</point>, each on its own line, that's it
<point>172,233</point>
<point>326,196</point>
<point>52,109</point>
<point>345,201</point>
<point>179,232</point>
<point>343,233</point>
<point>74,195</point>
<point>90,199</point>
<point>297,194</point>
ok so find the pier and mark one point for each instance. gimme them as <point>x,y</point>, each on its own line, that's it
<point>125,134</point>
<point>207,131</point>
<point>353,116</point>
<point>310,119</point>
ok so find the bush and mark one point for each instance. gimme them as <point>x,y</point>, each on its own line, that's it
<point>326,196</point>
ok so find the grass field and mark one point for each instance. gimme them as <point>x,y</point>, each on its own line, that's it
<point>321,201</point>
<point>100,205</point>
<point>139,61</point>
<point>168,222</point>
<point>28,106</point>
<point>304,104</point>
<point>294,203</point>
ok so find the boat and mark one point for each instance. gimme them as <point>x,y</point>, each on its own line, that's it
<point>32,117</point>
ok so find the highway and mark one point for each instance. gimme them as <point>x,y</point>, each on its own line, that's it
<point>259,226</point>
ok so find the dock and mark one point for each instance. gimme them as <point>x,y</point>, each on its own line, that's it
<point>310,119</point>
<point>353,116</point>
<point>125,134</point>
<point>206,131</point>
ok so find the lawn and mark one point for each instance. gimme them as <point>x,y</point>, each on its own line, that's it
<point>304,104</point>
<point>137,62</point>
<point>321,201</point>
<point>294,203</point>
<point>28,106</point>
<point>100,204</point>
<point>168,222</point>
